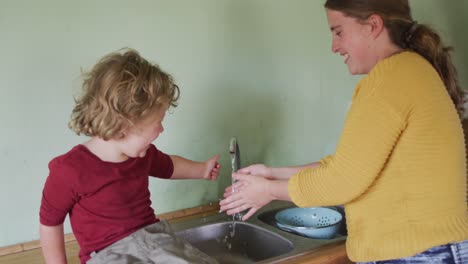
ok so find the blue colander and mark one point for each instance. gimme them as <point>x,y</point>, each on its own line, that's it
<point>313,222</point>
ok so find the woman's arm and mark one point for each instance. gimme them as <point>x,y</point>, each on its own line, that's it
<point>272,173</point>
<point>53,244</point>
<point>284,173</point>
<point>277,173</point>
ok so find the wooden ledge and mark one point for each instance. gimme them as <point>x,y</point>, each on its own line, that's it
<point>178,215</point>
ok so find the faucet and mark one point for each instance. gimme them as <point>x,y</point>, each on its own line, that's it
<point>235,154</point>
<point>235,164</point>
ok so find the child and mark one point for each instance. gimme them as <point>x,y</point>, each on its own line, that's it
<point>399,167</point>
<point>103,183</point>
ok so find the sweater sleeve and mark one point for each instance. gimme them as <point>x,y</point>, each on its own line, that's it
<point>370,132</point>
<point>323,161</point>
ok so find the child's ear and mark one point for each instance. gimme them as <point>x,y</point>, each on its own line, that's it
<point>122,134</point>
<point>377,25</point>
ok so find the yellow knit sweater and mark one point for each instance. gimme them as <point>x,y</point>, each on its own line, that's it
<point>399,167</point>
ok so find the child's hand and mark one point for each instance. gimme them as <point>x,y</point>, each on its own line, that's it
<point>212,168</point>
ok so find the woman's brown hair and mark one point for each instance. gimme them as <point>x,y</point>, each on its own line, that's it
<point>408,34</point>
<point>121,89</point>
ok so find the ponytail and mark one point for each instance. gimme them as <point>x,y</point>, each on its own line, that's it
<point>425,41</point>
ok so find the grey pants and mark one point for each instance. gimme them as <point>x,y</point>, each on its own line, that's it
<point>155,243</point>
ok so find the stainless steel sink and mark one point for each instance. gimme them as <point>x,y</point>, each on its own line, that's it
<point>255,240</point>
<point>237,242</point>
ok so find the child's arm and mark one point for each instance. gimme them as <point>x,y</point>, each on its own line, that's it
<point>188,169</point>
<point>53,244</point>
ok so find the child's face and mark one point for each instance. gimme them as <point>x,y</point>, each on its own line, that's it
<point>351,40</point>
<point>138,138</point>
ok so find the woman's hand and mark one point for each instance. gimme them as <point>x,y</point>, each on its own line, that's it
<point>212,168</point>
<point>250,193</point>
<point>258,170</point>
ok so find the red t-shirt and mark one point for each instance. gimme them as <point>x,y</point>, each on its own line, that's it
<point>106,201</point>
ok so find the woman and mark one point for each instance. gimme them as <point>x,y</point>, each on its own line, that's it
<point>399,167</point>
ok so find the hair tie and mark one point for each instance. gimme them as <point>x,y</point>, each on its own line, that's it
<point>410,32</point>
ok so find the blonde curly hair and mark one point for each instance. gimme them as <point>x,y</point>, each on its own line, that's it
<point>121,89</point>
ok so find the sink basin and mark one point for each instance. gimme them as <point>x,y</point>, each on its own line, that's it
<point>256,240</point>
<point>237,242</point>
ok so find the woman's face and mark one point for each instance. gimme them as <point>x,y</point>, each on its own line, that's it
<point>351,40</point>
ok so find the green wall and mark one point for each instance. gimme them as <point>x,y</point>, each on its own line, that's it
<point>260,70</point>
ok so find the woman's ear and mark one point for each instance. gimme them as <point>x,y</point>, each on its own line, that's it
<point>377,25</point>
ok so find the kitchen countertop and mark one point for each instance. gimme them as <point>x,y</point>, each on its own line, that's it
<point>313,251</point>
